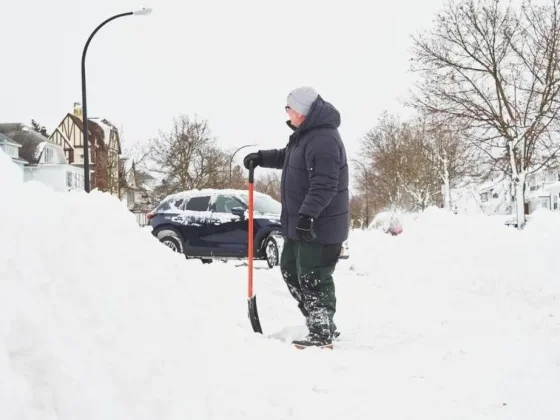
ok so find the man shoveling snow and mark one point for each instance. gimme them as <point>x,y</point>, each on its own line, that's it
<point>315,208</point>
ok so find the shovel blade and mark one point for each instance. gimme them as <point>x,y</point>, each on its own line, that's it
<point>254,315</point>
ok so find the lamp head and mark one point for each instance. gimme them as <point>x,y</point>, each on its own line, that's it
<point>142,12</point>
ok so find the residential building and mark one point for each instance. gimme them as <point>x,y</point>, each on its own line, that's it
<point>104,148</point>
<point>493,196</point>
<point>11,148</point>
<point>138,188</point>
<point>42,161</point>
<point>543,191</point>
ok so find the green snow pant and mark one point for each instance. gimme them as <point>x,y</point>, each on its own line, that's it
<point>307,269</point>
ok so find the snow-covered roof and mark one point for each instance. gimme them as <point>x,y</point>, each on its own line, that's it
<point>27,137</point>
<point>39,150</point>
<point>212,191</point>
<point>7,140</point>
<point>148,176</point>
<point>537,193</point>
<point>552,186</point>
<point>107,128</point>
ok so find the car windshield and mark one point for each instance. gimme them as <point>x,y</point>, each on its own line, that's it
<point>264,204</point>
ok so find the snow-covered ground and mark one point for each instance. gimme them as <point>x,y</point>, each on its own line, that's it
<point>457,318</point>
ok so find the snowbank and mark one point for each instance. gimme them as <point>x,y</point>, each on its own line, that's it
<point>455,318</point>
<point>99,320</point>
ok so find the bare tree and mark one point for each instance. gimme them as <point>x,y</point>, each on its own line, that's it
<point>187,155</point>
<point>358,211</point>
<point>417,175</point>
<point>269,184</point>
<point>215,168</point>
<point>446,149</point>
<point>399,173</point>
<point>381,155</point>
<point>133,164</point>
<point>495,70</point>
<point>239,179</point>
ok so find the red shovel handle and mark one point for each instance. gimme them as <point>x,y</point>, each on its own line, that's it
<point>250,241</point>
<point>252,299</point>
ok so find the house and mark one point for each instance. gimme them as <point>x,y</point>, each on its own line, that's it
<point>138,188</point>
<point>104,149</point>
<point>493,196</point>
<point>43,161</point>
<point>11,148</point>
<point>496,196</point>
<point>542,191</point>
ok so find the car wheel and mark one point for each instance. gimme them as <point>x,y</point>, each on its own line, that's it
<point>272,252</point>
<point>171,239</point>
<point>206,261</point>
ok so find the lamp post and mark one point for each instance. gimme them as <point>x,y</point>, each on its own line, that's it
<point>232,156</point>
<point>367,181</point>
<point>84,100</point>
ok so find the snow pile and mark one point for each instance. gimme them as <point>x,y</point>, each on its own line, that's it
<point>471,304</point>
<point>457,317</point>
<point>12,175</point>
<point>99,320</point>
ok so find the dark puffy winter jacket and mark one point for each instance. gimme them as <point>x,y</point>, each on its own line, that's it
<point>314,175</point>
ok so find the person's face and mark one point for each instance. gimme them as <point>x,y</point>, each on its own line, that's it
<point>296,119</point>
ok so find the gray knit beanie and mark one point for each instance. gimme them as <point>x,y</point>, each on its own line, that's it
<point>301,99</point>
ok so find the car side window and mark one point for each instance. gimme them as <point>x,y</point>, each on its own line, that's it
<point>198,203</point>
<point>224,203</point>
<point>178,203</point>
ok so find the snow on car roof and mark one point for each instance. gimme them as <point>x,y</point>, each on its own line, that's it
<point>212,191</point>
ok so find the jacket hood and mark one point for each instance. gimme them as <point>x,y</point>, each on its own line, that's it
<point>322,114</point>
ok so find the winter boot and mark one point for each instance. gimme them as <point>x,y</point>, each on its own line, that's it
<point>313,340</point>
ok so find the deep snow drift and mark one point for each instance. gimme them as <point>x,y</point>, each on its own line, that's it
<point>457,318</point>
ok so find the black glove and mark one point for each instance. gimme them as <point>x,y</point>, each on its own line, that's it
<point>256,157</point>
<point>304,228</point>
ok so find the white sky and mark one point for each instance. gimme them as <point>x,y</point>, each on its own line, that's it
<point>231,62</point>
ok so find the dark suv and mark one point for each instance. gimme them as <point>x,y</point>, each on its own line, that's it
<point>213,224</point>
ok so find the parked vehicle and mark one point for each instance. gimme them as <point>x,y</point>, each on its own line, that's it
<point>213,224</point>
<point>387,222</point>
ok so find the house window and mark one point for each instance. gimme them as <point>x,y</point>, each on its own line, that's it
<point>130,196</point>
<point>69,179</point>
<point>484,197</point>
<point>555,202</point>
<point>79,180</point>
<point>11,151</point>
<point>49,155</point>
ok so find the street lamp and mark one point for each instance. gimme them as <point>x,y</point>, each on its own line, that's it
<point>232,156</point>
<point>367,198</point>
<point>141,12</point>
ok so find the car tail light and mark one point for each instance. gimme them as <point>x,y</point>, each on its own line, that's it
<point>150,216</point>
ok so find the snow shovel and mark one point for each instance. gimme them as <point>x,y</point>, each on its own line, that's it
<point>252,299</point>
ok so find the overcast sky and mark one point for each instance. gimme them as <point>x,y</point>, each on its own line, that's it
<point>230,62</point>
